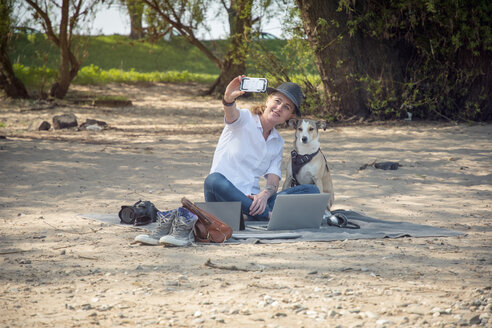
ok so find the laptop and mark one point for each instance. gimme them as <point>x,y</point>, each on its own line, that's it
<point>295,211</point>
<point>228,212</point>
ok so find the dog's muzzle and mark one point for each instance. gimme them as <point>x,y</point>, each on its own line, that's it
<point>304,139</point>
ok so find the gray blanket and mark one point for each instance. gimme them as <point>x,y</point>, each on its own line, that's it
<point>370,228</point>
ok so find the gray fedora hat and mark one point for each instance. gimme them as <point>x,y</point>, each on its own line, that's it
<point>292,91</point>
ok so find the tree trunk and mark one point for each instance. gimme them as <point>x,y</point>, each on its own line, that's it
<point>343,59</point>
<point>341,93</point>
<point>135,11</point>
<point>69,66</point>
<point>8,81</point>
<point>240,22</point>
<point>234,63</point>
<point>12,86</point>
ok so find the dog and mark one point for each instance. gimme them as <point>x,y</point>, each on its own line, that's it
<point>307,164</point>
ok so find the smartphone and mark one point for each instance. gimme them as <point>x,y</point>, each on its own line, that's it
<point>253,84</point>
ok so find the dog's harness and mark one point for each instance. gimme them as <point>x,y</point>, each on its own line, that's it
<point>299,161</point>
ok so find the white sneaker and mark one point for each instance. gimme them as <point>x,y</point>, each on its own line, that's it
<point>165,221</point>
<point>182,229</point>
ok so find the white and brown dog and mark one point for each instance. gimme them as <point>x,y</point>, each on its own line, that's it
<point>307,164</point>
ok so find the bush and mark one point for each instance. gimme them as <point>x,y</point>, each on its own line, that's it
<point>40,77</point>
<point>37,78</point>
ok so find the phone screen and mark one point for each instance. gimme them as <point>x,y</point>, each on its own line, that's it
<point>252,84</point>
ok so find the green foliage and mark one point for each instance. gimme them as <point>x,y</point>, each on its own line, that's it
<point>36,78</point>
<point>289,60</point>
<point>94,75</point>
<point>116,51</point>
<point>40,77</point>
<point>120,59</point>
<point>448,64</point>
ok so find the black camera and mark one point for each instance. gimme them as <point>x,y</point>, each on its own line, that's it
<point>141,213</point>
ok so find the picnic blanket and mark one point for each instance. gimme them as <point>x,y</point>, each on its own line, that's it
<point>370,228</point>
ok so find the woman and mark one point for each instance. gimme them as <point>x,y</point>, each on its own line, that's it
<point>250,147</point>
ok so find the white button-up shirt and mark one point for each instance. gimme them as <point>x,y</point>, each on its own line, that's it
<point>243,156</point>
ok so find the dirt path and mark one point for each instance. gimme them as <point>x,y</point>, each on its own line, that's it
<point>57,270</point>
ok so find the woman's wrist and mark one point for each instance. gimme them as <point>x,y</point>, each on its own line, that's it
<point>227,103</point>
<point>271,190</point>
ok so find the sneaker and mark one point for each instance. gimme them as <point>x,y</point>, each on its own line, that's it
<point>182,229</point>
<point>164,224</point>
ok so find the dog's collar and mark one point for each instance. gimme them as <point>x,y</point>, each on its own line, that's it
<point>298,161</point>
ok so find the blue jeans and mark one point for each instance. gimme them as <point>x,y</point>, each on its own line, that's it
<point>217,188</point>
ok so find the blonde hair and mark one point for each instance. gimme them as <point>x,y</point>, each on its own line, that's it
<point>260,108</point>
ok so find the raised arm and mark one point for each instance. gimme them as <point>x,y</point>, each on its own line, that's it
<point>229,100</point>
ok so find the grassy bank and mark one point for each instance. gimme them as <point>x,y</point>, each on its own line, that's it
<point>120,52</point>
<point>117,58</point>
<point>116,52</point>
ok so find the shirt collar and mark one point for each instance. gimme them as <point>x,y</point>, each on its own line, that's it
<point>273,134</point>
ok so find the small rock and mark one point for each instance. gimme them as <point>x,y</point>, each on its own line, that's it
<point>171,283</point>
<point>311,313</point>
<point>332,313</point>
<point>103,308</point>
<point>382,322</point>
<point>371,315</point>
<point>93,127</point>
<point>198,321</point>
<point>86,307</point>
<point>64,121</point>
<point>477,302</point>
<point>39,125</point>
<point>475,320</point>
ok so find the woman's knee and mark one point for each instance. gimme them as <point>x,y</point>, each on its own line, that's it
<point>311,189</point>
<point>213,179</point>
<point>216,182</point>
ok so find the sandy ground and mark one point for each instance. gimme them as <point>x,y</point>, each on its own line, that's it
<point>57,270</point>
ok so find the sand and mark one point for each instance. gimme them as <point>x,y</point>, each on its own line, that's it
<point>58,270</point>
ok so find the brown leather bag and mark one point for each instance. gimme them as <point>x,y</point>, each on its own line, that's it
<point>208,228</point>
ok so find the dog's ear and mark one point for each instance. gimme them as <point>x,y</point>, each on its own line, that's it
<point>292,123</point>
<point>321,125</point>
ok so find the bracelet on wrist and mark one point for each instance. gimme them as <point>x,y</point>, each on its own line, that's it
<point>228,104</point>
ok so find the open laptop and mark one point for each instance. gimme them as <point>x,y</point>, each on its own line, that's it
<point>295,211</point>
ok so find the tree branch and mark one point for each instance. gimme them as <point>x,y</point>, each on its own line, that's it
<point>45,18</point>
<point>186,31</point>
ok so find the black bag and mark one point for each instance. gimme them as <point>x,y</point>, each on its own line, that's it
<point>141,213</point>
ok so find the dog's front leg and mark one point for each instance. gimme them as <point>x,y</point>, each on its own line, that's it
<point>287,181</point>
<point>288,177</point>
<point>318,183</point>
